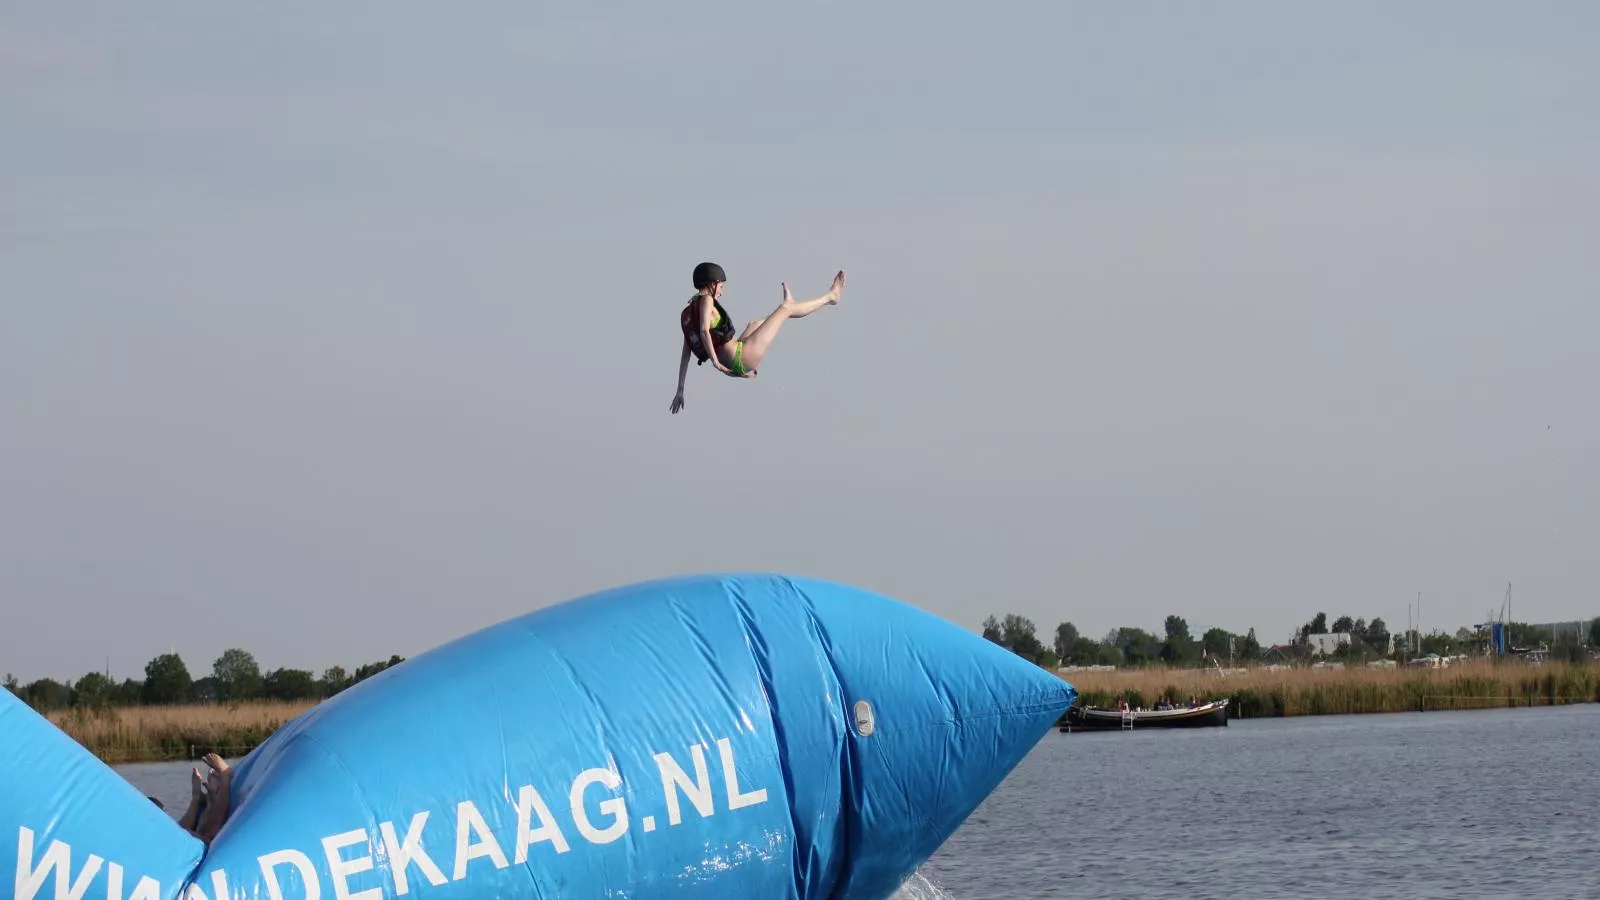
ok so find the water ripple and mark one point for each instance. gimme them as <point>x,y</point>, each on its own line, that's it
<point>1488,804</point>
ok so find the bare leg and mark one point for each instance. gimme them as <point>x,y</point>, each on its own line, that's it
<point>801,310</point>
<point>806,308</point>
<point>761,336</point>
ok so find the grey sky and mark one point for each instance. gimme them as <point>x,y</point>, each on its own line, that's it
<point>335,331</point>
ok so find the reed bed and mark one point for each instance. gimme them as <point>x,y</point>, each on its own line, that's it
<point>157,733</point>
<point>1259,692</point>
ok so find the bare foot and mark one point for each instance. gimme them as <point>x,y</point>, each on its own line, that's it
<point>838,288</point>
<point>788,298</point>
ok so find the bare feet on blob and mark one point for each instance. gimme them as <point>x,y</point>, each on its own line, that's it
<point>838,288</point>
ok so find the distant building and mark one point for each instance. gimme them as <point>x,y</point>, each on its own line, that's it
<point>1326,644</point>
<point>1278,655</point>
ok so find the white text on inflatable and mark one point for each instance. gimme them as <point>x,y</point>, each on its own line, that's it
<point>593,803</point>
<point>597,821</point>
<point>56,860</point>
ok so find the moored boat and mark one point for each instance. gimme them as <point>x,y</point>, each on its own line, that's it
<point>1093,718</point>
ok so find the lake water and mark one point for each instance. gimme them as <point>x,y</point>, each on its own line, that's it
<point>1486,804</point>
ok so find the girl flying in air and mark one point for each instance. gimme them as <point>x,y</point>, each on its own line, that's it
<point>706,324</point>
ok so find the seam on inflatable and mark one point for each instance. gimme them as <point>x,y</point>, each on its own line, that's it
<point>602,716</point>
<point>603,725</point>
<point>683,617</point>
<point>505,779</point>
<point>850,804</point>
<point>949,707</point>
<point>370,823</point>
<point>822,654</point>
<point>960,721</point>
<point>756,643</point>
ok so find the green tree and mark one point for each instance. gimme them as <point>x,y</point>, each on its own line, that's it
<point>1137,645</point>
<point>1089,652</point>
<point>1594,633</point>
<point>166,680</point>
<point>370,669</point>
<point>1216,641</point>
<point>1361,636</point>
<point>1317,625</point>
<point>289,684</point>
<point>47,694</point>
<point>12,685</point>
<point>206,690</point>
<point>1377,637</point>
<point>991,630</point>
<point>1523,636</point>
<point>238,676</point>
<point>1018,631</point>
<point>94,691</point>
<point>1440,643</point>
<point>1020,635</point>
<point>1179,648</point>
<point>1177,629</point>
<point>1344,625</point>
<point>1567,649</point>
<point>1171,652</point>
<point>1066,640</point>
<point>129,692</point>
<point>1015,633</point>
<point>1250,648</point>
<point>334,680</point>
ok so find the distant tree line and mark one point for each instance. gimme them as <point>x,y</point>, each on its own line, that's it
<point>1123,646</point>
<point>235,678</point>
<point>1175,646</point>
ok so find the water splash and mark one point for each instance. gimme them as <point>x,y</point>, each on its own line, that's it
<point>918,887</point>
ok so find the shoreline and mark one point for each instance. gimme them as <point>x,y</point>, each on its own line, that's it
<point>146,734</point>
<point>1265,693</point>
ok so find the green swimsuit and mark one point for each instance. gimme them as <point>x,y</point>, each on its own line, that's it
<point>738,349</point>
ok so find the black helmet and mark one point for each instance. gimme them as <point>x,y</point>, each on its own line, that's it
<point>707,274</point>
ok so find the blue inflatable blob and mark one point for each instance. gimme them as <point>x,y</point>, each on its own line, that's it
<point>753,736</point>
<point>75,829</point>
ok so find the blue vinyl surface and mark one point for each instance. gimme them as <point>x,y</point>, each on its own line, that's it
<point>708,736</point>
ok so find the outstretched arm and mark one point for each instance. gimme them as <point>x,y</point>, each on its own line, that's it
<point>683,371</point>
